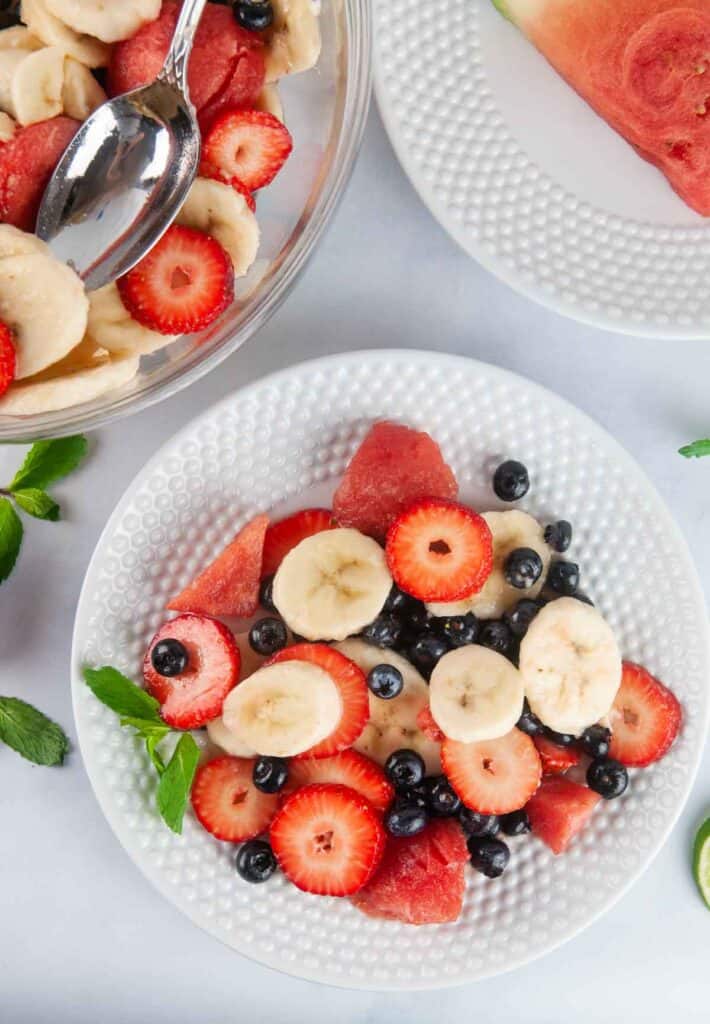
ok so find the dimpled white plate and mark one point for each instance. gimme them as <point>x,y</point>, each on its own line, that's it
<point>529,181</point>
<point>283,443</point>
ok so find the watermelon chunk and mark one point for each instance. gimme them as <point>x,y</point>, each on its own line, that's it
<point>420,879</point>
<point>393,467</point>
<point>230,584</point>
<point>644,66</point>
<point>559,810</point>
<point>27,162</point>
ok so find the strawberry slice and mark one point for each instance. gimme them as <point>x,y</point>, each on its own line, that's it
<point>555,760</point>
<point>493,776</point>
<point>645,718</point>
<point>184,283</point>
<point>284,535</point>
<point>439,551</point>
<point>559,810</point>
<point>328,840</point>
<point>195,696</point>
<point>425,721</point>
<point>348,768</point>
<point>251,145</point>
<point>227,803</point>
<point>230,584</point>
<point>7,357</point>
<point>352,686</point>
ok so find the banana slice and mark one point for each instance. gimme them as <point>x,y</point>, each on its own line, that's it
<point>81,93</point>
<point>112,326</point>
<point>7,127</point>
<point>283,709</point>
<point>475,694</point>
<point>10,61</point>
<point>19,38</point>
<point>393,723</point>
<point>269,101</point>
<point>14,242</point>
<point>571,665</point>
<point>293,41</point>
<point>512,529</point>
<point>226,740</point>
<point>43,301</point>
<point>220,211</point>
<point>37,85</point>
<point>332,585</point>
<point>54,32</point>
<point>108,20</point>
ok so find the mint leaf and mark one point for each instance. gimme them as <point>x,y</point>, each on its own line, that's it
<point>31,733</point>
<point>10,538</point>
<point>121,695</point>
<point>37,503</point>
<point>48,461</point>
<point>696,450</point>
<point>153,733</point>
<point>176,782</point>
<point>151,742</point>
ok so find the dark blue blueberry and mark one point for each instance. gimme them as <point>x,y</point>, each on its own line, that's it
<point>169,657</point>
<point>384,631</point>
<point>563,578</point>
<point>426,651</point>
<point>442,801</point>
<point>520,617</point>
<point>516,823</point>
<point>267,636</point>
<point>405,819</point>
<point>522,568</point>
<point>266,594</point>
<point>511,480</point>
<point>559,535</point>
<point>255,861</point>
<point>253,16</point>
<point>475,824</point>
<point>385,681</point>
<point>404,768</point>
<point>457,630</point>
<point>595,741</point>
<point>562,739</point>
<point>10,13</point>
<point>529,723</point>
<point>584,598</point>
<point>270,774</point>
<point>489,856</point>
<point>607,777</point>
<point>498,636</point>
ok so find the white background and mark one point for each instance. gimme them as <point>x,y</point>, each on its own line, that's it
<point>83,937</point>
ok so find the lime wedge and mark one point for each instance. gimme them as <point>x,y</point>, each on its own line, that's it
<point>701,860</point>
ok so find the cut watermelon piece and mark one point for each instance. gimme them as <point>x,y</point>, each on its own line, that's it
<point>420,879</point>
<point>27,162</point>
<point>559,810</point>
<point>393,467</point>
<point>644,66</point>
<point>230,584</point>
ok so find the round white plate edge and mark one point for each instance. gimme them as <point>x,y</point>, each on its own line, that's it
<point>133,849</point>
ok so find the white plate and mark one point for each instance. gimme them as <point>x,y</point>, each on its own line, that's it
<point>283,443</point>
<point>529,181</point>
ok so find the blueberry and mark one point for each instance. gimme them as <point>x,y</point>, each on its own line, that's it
<point>442,801</point>
<point>475,824</point>
<point>563,577</point>
<point>497,635</point>
<point>169,657</point>
<point>398,602</point>
<point>255,861</point>
<point>529,723</point>
<point>255,17</point>
<point>561,739</point>
<point>266,594</point>
<point>584,598</point>
<point>523,568</point>
<point>404,768</point>
<point>270,774</point>
<point>511,480</point>
<point>559,535</point>
<point>489,856</point>
<point>516,823</point>
<point>418,794</point>
<point>384,631</point>
<point>457,630</point>
<point>607,777</point>
<point>595,741</point>
<point>426,651</point>
<point>405,819</point>
<point>267,636</point>
<point>385,681</point>
<point>9,13</point>
<point>417,617</point>
<point>520,617</point>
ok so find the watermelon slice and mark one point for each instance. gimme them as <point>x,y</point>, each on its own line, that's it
<point>27,162</point>
<point>644,66</point>
<point>559,810</point>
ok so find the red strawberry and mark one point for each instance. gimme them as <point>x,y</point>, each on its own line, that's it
<point>196,695</point>
<point>425,721</point>
<point>348,768</point>
<point>230,584</point>
<point>328,840</point>
<point>555,760</point>
<point>439,550</point>
<point>393,467</point>
<point>559,810</point>
<point>493,776</point>
<point>7,357</point>
<point>645,718</point>
<point>288,532</point>
<point>420,879</point>
<point>184,283</point>
<point>207,171</point>
<point>251,145</point>
<point>227,803</point>
<point>27,162</point>
<point>352,685</point>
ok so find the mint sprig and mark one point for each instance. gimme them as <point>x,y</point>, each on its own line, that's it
<point>29,732</point>
<point>696,450</point>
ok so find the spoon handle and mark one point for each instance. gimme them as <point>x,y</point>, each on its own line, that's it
<point>174,71</point>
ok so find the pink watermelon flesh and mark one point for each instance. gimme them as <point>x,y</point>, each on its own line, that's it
<point>644,66</point>
<point>230,584</point>
<point>393,467</point>
<point>559,810</point>
<point>420,879</point>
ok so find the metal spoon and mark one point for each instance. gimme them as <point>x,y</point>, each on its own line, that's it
<point>127,171</point>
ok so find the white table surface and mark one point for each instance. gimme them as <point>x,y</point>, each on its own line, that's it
<point>83,936</point>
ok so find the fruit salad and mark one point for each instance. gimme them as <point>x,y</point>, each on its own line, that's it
<point>59,60</point>
<point>400,687</point>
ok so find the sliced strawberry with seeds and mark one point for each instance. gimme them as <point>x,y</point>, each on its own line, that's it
<point>284,535</point>
<point>251,145</point>
<point>184,283</point>
<point>555,760</point>
<point>196,696</point>
<point>327,840</point>
<point>493,776</point>
<point>228,804</point>
<point>645,718</point>
<point>352,686</point>
<point>559,810</point>
<point>425,721</point>
<point>348,768</point>
<point>439,551</point>
<point>8,357</point>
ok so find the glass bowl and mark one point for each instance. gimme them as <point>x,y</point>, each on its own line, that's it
<point>325,111</point>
